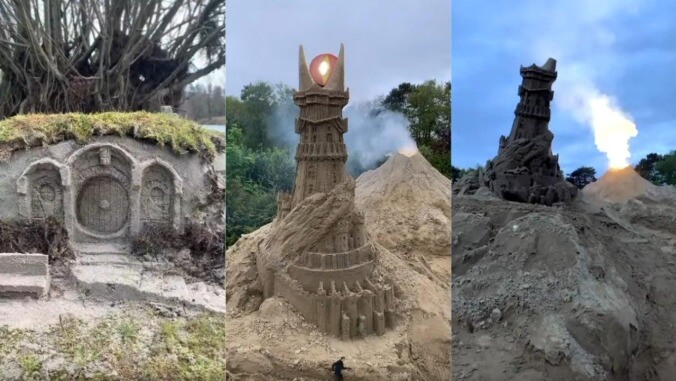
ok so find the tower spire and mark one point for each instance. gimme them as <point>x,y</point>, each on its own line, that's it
<point>337,79</point>
<point>305,80</point>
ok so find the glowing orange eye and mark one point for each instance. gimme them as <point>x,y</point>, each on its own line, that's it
<point>321,68</point>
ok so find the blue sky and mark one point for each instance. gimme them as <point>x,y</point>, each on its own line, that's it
<point>625,49</point>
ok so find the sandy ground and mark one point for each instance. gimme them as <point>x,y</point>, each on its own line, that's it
<point>579,292</point>
<point>403,199</point>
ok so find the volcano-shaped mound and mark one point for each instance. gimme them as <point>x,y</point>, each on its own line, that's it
<point>407,204</point>
<point>621,185</point>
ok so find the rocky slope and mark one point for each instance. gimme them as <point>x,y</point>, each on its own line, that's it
<point>582,292</point>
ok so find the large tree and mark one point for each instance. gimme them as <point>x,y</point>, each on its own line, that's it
<point>95,55</point>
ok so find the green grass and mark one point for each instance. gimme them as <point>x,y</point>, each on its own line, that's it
<point>35,130</point>
<point>121,347</point>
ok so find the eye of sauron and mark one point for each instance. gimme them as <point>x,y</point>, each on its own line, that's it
<point>322,67</point>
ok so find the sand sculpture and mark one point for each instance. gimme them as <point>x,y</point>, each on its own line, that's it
<point>318,255</point>
<point>104,191</point>
<point>525,170</point>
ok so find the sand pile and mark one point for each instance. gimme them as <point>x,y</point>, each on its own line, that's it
<point>270,340</point>
<point>407,204</point>
<point>621,185</point>
<point>565,293</point>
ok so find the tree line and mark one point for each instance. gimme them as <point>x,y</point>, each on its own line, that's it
<point>656,168</point>
<point>260,152</point>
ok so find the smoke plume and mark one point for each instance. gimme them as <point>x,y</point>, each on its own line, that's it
<point>580,29</point>
<point>373,133</point>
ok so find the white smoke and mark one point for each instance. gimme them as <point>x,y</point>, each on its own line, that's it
<point>372,133</point>
<point>578,28</point>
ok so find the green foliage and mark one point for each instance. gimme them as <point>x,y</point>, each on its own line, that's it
<point>458,173</point>
<point>253,179</point>
<point>582,176</point>
<point>259,164</point>
<point>666,168</point>
<point>658,169</point>
<point>138,346</point>
<point>428,109</point>
<point>35,130</point>
<point>646,167</point>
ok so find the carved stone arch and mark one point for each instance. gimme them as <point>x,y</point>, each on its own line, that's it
<point>42,188</point>
<point>161,191</point>
<point>105,186</point>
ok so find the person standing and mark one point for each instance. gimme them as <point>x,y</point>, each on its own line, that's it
<point>337,369</point>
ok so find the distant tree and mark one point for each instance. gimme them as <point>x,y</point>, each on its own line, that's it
<point>397,99</point>
<point>457,173</point>
<point>646,168</point>
<point>427,107</point>
<point>254,111</point>
<point>203,103</point>
<point>93,55</point>
<point>582,176</point>
<point>666,169</point>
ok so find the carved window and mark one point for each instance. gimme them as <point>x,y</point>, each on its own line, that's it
<point>46,195</point>
<point>157,195</point>
<point>314,138</point>
<point>329,138</point>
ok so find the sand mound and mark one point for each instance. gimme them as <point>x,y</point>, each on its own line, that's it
<point>620,185</point>
<point>565,292</point>
<point>407,204</point>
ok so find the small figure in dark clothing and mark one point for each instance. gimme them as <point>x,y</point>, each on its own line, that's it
<point>337,369</point>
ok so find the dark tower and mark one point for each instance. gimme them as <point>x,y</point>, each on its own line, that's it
<point>525,169</point>
<point>321,153</point>
<point>533,113</point>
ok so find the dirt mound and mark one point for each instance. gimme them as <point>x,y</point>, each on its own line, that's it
<point>562,293</point>
<point>620,185</point>
<point>407,204</point>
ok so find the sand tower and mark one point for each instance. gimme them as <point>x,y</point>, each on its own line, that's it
<point>525,169</point>
<point>325,267</point>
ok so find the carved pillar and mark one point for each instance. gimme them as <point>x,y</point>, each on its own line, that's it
<point>345,329</point>
<point>334,311</point>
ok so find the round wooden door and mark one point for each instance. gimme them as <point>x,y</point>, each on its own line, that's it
<point>103,205</point>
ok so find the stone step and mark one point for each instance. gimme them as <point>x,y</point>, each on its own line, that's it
<point>24,275</point>
<point>24,264</point>
<point>113,259</point>
<point>101,248</point>
<point>19,286</point>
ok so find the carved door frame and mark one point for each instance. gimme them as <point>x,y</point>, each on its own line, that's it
<point>71,194</point>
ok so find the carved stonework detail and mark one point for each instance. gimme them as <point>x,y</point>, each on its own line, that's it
<point>157,195</point>
<point>105,156</point>
<point>46,195</point>
<point>102,185</point>
<point>103,205</point>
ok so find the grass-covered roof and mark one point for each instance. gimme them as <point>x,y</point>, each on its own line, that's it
<point>36,130</point>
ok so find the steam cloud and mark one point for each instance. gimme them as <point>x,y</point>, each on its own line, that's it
<point>372,134</point>
<point>577,87</point>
